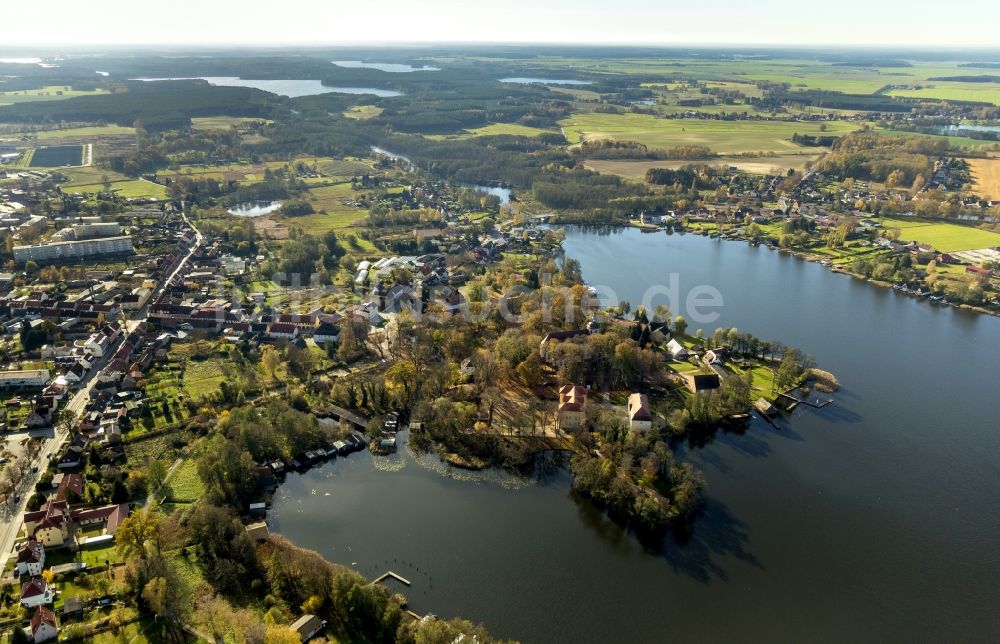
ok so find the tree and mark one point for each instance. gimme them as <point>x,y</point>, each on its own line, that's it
<point>680,325</point>
<point>135,531</point>
<point>270,360</point>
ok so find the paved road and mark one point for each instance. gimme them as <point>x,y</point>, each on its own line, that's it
<point>11,519</point>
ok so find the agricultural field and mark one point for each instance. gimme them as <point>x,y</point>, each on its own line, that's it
<point>493,129</point>
<point>49,93</point>
<point>222,122</point>
<point>954,141</point>
<point>956,91</point>
<point>762,165</point>
<point>57,156</point>
<point>986,174</point>
<point>87,180</point>
<point>724,137</point>
<point>88,132</point>
<point>944,237</point>
<point>363,112</point>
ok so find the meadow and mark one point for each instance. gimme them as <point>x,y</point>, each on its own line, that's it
<point>761,165</point>
<point>222,122</point>
<point>944,237</point>
<point>493,129</point>
<point>956,91</point>
<point>48,93</point>
<point>724,137</point>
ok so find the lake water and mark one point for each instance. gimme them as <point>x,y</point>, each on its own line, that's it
<point>255,208</point>
<point>873,519</point>
<point>526,80</point>
<point>289,88</point>
<point>392,155</point>
<point>502,193</point>
<point>958,129</point>
<point>395,68</point>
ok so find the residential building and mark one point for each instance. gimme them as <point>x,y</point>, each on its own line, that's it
<point>55,251</point>
<point>639,416</point>
<point>31,558</point>
<point>306,627</point>
<point>36,592</point>
<point>43,625</point>
<point>572,411</point>
<point>24,378</point>
<point>677,350</point>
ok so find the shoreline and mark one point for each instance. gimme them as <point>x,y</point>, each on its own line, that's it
<point>805,256</point>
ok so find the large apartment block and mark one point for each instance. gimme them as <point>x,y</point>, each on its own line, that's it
<point>55,251</point>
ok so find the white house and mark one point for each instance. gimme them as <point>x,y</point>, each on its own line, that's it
<point>43,625</point>
<point>31,559</point>
<point>24,378</point>
<point>677,350</point>
<point>36,593</point>
<point>639,418</point>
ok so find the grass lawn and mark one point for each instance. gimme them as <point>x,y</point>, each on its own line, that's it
<point>724,137</point>
<point>129,188</point>
<point>944,237</point>
<point>955,141</point>
<point>49,93</point>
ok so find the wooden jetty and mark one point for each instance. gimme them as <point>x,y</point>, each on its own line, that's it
<point>793,402</point>
<point>391,575</point>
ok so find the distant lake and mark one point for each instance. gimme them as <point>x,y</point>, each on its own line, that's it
<point>21,61</point>
<point>392,155</point>
<point>254,208</point>
<point>958,129</point>
<point>502,193</point>
<point>394,68</point>
<point>289,88</point>
<point>527,80</point>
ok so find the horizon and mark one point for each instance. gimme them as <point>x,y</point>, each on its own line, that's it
<point>638,23</point>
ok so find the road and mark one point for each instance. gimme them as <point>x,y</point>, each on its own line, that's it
<point>12,517</point>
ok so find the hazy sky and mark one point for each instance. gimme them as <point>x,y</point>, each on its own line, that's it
<point>332,22</point>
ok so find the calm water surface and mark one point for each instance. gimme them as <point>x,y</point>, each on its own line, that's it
<point>870,520</point>
<point>255,208</point>
<point>394,68</point>
<point>285,87</point>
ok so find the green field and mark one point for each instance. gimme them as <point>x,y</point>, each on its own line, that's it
<point>94,131</point>
<point>493,129</point>
<point>221,122</point>
<point>185,485</point>
<point>956,91</point>
<point>49,93</point>
<point>753,165</point>
<point>957,141</point>
<point>203,377</point>
<point>724,137</point>
<point>57,156</point>
<point>363,112</point>
<point>128,188</point>
<point>944,237</point>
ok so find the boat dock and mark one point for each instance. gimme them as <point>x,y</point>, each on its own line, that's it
<point>391,575</point>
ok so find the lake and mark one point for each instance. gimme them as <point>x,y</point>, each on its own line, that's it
<point>289,88</point>
<point>526,80</point>
<point>395,68</point>
<point>502,193</point>
<point>392,155</point>
<point>873,519</point>
<point>255,208</point>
